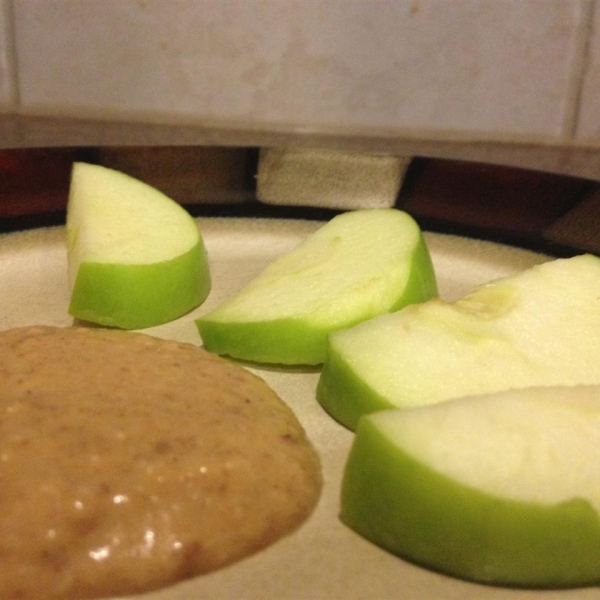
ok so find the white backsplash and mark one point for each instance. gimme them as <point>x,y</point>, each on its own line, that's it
<point>8,81</point>
<point>468,70</point>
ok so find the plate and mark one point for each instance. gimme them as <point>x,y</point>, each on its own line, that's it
<point>323,559</point>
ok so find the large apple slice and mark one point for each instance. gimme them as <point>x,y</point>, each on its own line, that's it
<point>136,258</point>
<point>358,265</point>
<point>502,489</point>
<point>540,327</point>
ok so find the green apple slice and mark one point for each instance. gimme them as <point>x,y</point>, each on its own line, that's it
<point>358,265</point>
<point>540,327</point>
<point>135,257</point>
<point>502,489</point>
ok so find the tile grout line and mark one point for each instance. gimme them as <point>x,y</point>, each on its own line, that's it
<point>578,73</point>
<point>11,46</point>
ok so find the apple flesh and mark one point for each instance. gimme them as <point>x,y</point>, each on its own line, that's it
<point>136,258</point>
<point>540,327</point>
<point>502,489</point>
<point>358,265</point>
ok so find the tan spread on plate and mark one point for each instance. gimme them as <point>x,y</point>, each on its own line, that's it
<point>128,463</point>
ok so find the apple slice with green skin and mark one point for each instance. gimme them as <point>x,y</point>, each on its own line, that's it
<point>136,258</point>
<point>358,265</point>
<point>540,327</point>
<point>502,489</point>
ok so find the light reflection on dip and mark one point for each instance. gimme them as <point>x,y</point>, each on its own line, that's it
<point>128,463</point>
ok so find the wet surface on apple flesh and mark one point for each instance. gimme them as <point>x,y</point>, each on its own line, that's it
<point>528,330</point>
<point>537,445</point>
<point>114,218</point>
<point>358,259</point>
<point>128,463</point>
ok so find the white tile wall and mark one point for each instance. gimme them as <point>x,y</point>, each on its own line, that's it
<point>588,126</point>
<point>468,69</point>
<point>8,83</point>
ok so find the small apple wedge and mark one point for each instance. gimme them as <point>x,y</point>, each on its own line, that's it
<point>540,327</point>
<point>501,489</point>
<point>136,258</point>
<point>358,265</point>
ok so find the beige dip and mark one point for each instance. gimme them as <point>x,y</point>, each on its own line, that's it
<point>128,463</point>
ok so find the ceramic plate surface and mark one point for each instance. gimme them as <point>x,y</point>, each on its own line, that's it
<point>323,559</point>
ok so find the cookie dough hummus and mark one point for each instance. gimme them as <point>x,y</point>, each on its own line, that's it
<point>128,463</point>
